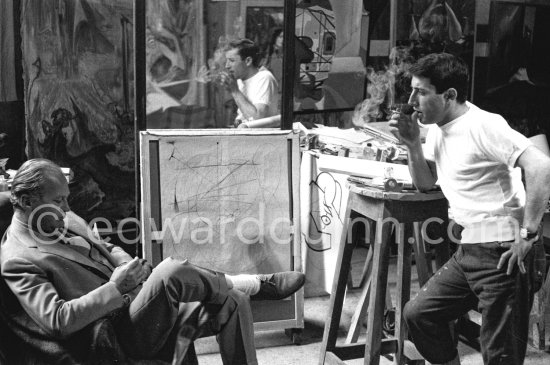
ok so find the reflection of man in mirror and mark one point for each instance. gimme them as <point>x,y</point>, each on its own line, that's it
<point>253,88</point>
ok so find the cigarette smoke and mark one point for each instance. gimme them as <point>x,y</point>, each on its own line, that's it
<point>379,90</point>
<point>385,88</point>
<point>216,64</point>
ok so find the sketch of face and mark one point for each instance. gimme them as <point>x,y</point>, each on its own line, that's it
<point>235,64</point>
<point>279,41</point>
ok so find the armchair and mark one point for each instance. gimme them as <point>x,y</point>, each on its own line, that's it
<point>95,344</point>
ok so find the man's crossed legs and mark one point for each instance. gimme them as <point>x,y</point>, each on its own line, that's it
<point>188,301</point>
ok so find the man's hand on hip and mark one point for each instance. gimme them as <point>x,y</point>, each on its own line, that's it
<point>517,250</point>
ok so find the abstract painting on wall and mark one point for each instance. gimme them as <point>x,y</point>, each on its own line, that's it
<point>78,74</point>
<point>175,50</point>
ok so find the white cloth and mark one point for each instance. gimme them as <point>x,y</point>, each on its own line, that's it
<point>475,156</point>
<point>260,89</point>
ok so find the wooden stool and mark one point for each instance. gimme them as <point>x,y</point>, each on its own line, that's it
<point>424,269</point>
<point>539,311</point>
<point>382,207</point>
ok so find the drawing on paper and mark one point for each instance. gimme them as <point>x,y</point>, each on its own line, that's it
<point>225,202</point>
<point>325,210</point>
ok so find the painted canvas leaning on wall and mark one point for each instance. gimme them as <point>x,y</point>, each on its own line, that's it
<point>78,71</point>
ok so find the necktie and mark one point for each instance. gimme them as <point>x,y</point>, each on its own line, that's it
<point>87,249</point>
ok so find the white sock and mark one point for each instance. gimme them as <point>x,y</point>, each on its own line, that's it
<point>246,283</point>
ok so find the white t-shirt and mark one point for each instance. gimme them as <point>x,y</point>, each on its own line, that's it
<point>475,156</point>
<point>260,89</point>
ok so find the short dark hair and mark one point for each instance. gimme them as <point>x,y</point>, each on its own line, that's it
<point>247,48</point>
<point>29,178</point>
<point>444,71</point>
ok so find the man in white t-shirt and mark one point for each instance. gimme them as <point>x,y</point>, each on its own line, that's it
<point>253,88</point>
<point>473,155</point>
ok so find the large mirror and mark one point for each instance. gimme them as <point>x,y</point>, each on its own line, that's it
<point>330,59</point>
<point>193,65</point>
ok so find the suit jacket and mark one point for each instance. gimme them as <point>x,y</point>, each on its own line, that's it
<point>59,290</point>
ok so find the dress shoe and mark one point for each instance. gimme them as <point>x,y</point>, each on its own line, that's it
<point>279,285</point>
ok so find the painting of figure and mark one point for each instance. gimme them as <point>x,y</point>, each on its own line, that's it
<point>78,70</point>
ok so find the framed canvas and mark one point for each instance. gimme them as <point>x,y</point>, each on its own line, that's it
<point>229,201</point>
<point>78,77</point>
<point>260,19</point>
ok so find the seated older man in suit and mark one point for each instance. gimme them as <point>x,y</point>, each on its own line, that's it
<point>64,279</point>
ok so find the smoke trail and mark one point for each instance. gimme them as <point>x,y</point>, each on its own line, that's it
<point>385,88</point>
<point>216,64</point>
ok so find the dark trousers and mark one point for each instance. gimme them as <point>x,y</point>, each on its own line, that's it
<point>470,280</point>
<point>181,302</point>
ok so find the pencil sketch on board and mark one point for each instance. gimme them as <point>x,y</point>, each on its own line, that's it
<point>226,202</point>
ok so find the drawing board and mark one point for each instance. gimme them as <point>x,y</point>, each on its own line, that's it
<point>223,200</point>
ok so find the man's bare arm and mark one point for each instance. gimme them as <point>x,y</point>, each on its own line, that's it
<point>422,171</point>
<point>536,167</point>
<point>249,110</point>
<point>406,129</point>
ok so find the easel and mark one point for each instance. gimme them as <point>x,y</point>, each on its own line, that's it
<point>232,171</point>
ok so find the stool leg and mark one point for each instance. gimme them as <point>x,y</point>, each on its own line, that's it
<point>362,305</point>
<point>365,274</point>
<point>403,288</point>
<point>537,320</point>
<point>341,273</point>
<point>419,256</point>
<point>377,300</point>
<point>442,249</point>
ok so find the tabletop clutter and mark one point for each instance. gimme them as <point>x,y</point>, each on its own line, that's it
<point>373,142</point>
